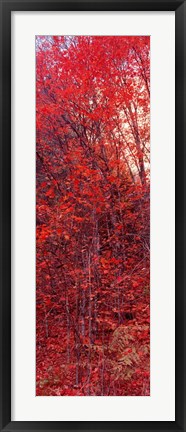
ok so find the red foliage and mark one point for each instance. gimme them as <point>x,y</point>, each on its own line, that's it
<point>93,216</point>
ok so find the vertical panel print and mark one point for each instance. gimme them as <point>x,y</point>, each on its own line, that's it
<point>93,215</point>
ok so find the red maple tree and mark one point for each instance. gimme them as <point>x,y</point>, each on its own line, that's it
<point>93,215</point>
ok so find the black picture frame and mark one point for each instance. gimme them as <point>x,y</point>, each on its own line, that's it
<point>5,211</point>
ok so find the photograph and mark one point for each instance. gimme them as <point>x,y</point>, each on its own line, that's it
<point>92,215</point>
